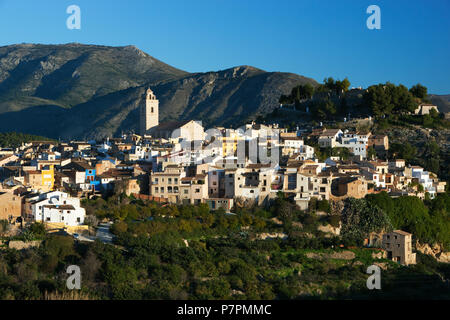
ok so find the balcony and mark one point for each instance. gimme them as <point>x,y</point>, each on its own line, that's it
<point>276,186</point>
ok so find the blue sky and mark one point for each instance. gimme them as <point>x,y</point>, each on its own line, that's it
<point>314,38</point>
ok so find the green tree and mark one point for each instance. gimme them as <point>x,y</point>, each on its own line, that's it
<point>38,229</point>
<point>284,209</point>
<point>342,86</point>
<point>434,114</point>
<point>323,205</point>
<point>4,227</point>
<point>378,100</point>
<point>387,99</point>
<point>371,153</point>
<point>403,151</point>
<point>419,91</point>
<point>308,91</point>
<point>324,109</point>
<point>14,139</point>
<point>60,246</point>
<point>329,83</point>
<point>360,217</point>
<point>403,100</point>
<point>119,227</point>
<point>342,152</point>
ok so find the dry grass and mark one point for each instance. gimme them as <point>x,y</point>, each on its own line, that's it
<point>66,295</point>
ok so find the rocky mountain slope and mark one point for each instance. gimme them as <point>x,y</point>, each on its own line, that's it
<point>67,75</point>
<point>88,91</point>
<point>441,101</point>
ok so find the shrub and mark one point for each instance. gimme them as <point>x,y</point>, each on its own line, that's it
<point>335,220</point>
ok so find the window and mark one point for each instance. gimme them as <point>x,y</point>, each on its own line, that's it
<point>78,219</point>
<point>162,189</point>
<point>186,191</point>
<point>47,219</point>
<point>156,189</point>
<point>169,180</point>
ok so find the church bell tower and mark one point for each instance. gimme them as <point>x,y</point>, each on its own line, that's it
<point>149,112</point>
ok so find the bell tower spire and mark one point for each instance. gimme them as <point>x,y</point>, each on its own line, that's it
<point>149,112</point>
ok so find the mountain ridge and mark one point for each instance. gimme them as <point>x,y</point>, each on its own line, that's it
<point>82,91</point>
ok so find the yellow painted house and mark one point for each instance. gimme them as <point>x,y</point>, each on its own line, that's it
<point>48,177</point>
<point>230,144</point>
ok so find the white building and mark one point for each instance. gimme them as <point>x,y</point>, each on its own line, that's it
<point>295,145</point>
<point>139,152</point>
<point>372,176</point>
<point>424,180</point>
<point>356,143</point>
<point>306,152</point>
<point>293,142</point>
<point>396,164</point>
<point>425,108</point>
<point>58,207</point>
<point>329,138</point>
<point>215,181</point>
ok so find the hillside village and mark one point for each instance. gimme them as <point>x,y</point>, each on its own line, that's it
<point>225,159</point>
<point>181,163</point>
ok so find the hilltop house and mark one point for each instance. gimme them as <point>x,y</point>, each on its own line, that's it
<point>425,108</point>
<point>398,247</point>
